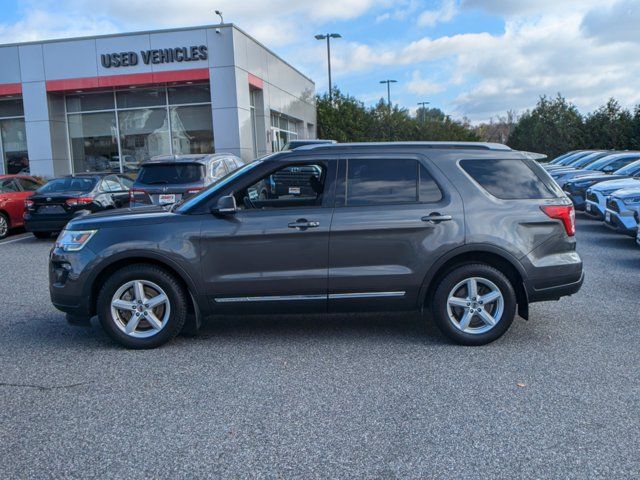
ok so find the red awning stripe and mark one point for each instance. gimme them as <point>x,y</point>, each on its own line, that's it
<point>133,79</point>
<point>256,82</point>
<point>10,88</point>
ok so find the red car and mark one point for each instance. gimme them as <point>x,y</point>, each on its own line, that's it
<point>14,189</point>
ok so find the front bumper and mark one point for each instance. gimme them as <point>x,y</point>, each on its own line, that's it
<point>621,223</point>
<point>68,281</point>
<point>594,210</point>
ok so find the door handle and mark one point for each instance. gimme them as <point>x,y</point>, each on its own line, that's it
<point>436,217</point>
<point>303,224</point>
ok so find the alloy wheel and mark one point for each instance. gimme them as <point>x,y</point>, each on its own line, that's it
<point>475,305</point>
<point>4,227</point>
<point>140,308</point>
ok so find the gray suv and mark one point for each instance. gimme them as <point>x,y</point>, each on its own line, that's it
<point>467,233</point>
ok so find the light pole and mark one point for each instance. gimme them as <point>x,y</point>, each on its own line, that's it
<point>424,108</point>
<point>389,82</point>
<point>328,37</point>
<point>219,13</point>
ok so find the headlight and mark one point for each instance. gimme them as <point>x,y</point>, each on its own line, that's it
<point>74,240</point>
<point>631,200</point>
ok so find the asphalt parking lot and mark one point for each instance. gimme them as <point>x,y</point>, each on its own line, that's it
<point>313,397</point>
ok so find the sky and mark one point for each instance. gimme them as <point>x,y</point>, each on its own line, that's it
<point>471,58</point>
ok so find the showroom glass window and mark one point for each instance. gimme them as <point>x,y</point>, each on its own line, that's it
<point>283,130</point>
<point>13,137</point>
<point>118,130</point>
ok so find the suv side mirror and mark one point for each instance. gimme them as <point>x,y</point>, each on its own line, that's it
<point>226,205</point>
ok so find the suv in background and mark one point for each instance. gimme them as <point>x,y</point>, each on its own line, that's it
<point>168,179</point>
<point>622,210</point>
<point>293,144</point>
<point>431,227</point>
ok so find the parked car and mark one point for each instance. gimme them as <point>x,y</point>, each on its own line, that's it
<point>293,144</point>
<point>622,209</point>
<point>577,188</point>
<point>565,160</point>
<point>430,227</point>
<point>168,179</point>
<point>582,162</point>
<point>14,190</point>
<point>597,195</point>
<point>294,181</point>
<point>63,198</point>
<point>608,164</point>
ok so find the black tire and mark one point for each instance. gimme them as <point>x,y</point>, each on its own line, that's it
<point>4,226</point>
<point>440,311</point>
<point>177,298</point>
<point>42,235</point>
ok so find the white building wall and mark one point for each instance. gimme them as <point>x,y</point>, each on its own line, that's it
<point>233,58</point>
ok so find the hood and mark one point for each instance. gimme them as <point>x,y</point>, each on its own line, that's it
<point>122,217</point>
<point>596,178</point>
<point>628,192</point>
<point>616,184</point>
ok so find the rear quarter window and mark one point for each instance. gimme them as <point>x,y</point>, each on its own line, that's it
<point>512,179</point>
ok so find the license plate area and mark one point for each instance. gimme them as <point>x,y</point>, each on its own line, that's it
<point>51,209</point>
<point>607,216</point>
<point>588,207</point>
<point>166,198</point>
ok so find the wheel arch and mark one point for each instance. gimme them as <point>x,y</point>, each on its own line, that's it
<point>7,216</point>
<point>195,308</point>
<point>495,257</point>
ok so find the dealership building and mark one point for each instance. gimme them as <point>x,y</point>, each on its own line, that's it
<point>110,102</point>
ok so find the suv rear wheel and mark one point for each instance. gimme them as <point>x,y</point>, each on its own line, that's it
<point>474,304</point>
<point>142,306</point>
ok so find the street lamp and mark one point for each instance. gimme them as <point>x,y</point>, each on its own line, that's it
<point>219,13</point>
<point>389,82</point>
<point>424,108</point>
<point>328,37</point>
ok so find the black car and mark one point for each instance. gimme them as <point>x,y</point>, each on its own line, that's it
<point>426,227</point>
<point>577,188</point>
<point>51,206</point>
<point>169,179</point>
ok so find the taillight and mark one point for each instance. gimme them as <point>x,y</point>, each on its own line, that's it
<point>28,203</point>
<point>74,202</point>
<point>138,196</point>
<point>565,213</point>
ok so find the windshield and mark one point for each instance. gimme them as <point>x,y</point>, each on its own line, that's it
<point>171,173</point>
<point>589,159</point>
<point>573,158</point>
<point>60,185</point>
<point>211,189</point>
<point>630,169</point>
<point>603,162</point>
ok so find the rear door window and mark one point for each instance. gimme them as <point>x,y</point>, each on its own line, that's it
<point>388,182</point>
<point>171,173</point>
<point>512,179</point>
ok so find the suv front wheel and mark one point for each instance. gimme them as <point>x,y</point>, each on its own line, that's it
<point>142,306</point>
<point>474,304</point>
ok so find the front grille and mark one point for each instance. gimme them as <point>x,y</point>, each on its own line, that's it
<point>592,196</point>
<point>613,205</point>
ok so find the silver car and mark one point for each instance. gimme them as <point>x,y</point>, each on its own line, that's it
<point>168,179</point>
<point>622,210</point>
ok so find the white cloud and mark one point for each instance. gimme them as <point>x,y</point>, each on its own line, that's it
<point>448,9</point>
<point>423,86</point>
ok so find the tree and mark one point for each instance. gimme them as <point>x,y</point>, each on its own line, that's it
<point>610,127</point>
<point>553,127</point>
<point>348,120</point>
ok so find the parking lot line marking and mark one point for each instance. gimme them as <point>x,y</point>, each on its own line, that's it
<point>11,240</point>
